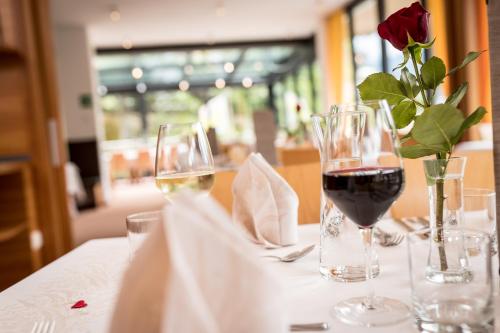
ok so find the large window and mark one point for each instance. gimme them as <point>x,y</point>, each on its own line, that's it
<point>370,53</point>
<point>143,88</point>
<point>366,46</point>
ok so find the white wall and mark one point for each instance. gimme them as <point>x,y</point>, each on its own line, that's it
<point>76,76</point>
<point>74,73</point>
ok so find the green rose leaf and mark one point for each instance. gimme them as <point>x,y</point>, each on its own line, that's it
<point>474,118</point>
<point>419,150</point>
<point>433,72</point>
<point>403,113</point>
<point>381,86</point>
<point>437,126</point>
<point>470,57</point>
<point>457,95</point>
<point>409,83</point>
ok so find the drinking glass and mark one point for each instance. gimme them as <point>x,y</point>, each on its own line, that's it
<point>463,306</point>
<point>480,211</point>
<point>138,227</point>
<point>183,159</point>
<point>480,214</point>
<point>363,175</point>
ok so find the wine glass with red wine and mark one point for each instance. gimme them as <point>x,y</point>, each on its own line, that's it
<point>363,175</point>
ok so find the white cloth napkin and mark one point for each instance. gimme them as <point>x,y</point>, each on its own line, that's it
<point>197,273</point>
<point>265,204</point>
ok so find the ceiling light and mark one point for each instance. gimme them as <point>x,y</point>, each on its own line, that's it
<point>102,90</point>
<point>115,14</point>
<point>183,85</point>
<point>188,69</point>
<point>127,44</point>
<point>141,87</point>
<point>228,67</point>
<point>247,82</point>
<point>197,56</point>
<point>137,73</point>
<point>220,83</point>
<point>258,66</point>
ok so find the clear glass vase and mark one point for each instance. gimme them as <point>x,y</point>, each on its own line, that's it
<point>445,193</point>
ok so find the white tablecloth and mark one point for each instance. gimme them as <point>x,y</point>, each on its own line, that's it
<point>92,272</point>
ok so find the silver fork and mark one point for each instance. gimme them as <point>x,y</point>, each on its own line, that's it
<point>44,326</point>
<point>387,239</point>
<point>294,255</point>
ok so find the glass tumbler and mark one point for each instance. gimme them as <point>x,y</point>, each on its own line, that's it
<point>138,227</point>
<point>480,213</point>
<point>463,306</point>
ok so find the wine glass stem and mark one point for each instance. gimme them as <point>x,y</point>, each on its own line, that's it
<point>367,236</point>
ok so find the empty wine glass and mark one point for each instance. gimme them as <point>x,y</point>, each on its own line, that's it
<point>363,175</point>
<point>183,159</point>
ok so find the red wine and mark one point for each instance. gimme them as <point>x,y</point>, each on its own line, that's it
<point>364,194</point>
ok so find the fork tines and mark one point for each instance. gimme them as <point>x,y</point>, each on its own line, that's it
<point>47,326</point>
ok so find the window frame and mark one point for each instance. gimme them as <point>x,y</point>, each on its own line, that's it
<point>383,46</point>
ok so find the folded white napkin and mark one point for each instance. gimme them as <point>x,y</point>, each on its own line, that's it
<point>197,273</point>
<point>265,204</point>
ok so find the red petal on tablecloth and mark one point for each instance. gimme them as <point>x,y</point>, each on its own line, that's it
<point>79,304</point>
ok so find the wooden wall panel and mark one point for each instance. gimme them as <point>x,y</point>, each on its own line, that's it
<point>50,185</point>
<point>30,126</point>
<point>18,257</point>
<point>13,110</point>
<point>10,23</point>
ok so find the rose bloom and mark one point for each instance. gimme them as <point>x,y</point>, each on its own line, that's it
<point>413,21</point>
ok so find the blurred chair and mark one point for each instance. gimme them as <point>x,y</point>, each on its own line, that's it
<point>212,140</point>
<point>119,166</point>
<point>305,179</point>
<point>298,155</point>
<point>479,170</point>
<point>264,124</point>
<point>144,163</point>
<point>414,201</point>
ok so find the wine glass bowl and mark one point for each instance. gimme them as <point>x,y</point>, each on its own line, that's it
<point>363,175</point>
<point>183,159</point>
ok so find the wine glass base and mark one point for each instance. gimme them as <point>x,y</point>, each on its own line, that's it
<point>383,312</point>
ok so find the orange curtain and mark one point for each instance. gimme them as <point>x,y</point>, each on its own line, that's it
<point>339,85</point>
<point>437,9</point>
<point>484,60</point>
<point>461,26</point>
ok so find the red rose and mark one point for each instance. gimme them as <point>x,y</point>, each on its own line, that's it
<point>413,21</point>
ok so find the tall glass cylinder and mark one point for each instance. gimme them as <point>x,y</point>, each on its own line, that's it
<point>445,193</point>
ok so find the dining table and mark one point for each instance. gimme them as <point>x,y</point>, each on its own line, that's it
<point>93,271</point>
